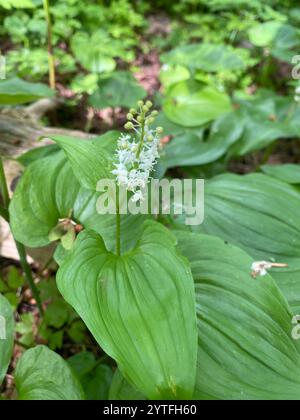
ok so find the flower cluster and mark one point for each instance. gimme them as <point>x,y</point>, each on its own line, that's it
<point>137,154</point>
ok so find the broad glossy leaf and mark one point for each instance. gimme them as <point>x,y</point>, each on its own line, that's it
<point>82,84</point>
<point>286,43</point>
<point>244,338</point>
<point>42,374</point>
<point>118,89</point>
<point>245,346</point>
<point>139,307</point>
<point>288,173</point>
<point>189,149</point>
<point>171,128</point>
<point>47,192</point>
<point>6,335</point>
<point>261,215</point>
<point>91,161</point>
<point>37,153</point>
<point>17,91</point>
<point>101,64</point>
<point>264,34</point>
<point>170,75</point>
<point>91,52</point>
<point>206,57</point>
<point>189,105</point>
<point>266,117</point>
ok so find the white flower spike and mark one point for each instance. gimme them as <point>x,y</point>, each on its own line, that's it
<point>137,154</point>
<point>260,268</point>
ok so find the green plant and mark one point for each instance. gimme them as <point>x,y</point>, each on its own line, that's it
<point>133,284</point>
<point>96,35</point>
<point>20,247</point>
<point>143,305</point>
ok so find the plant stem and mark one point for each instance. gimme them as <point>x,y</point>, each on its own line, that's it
<point>28,274</point>
<point>51,59</point>
<point>20,247</point>
<point>118,224</point>
<point>18,343</point>
<point>3,186</point>
<point>141,144</point>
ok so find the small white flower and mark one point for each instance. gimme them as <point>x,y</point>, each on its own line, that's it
<point>260,268</point>
<point>138,196</point>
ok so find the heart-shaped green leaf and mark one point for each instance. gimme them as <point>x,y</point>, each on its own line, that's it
<point>190,106</point>
<point>246,350</point>
<point>42,374</point>
<point>6,335</point>
<point>140,308</point>
<point>264,34</point>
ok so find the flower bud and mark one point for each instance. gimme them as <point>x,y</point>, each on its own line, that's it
<point>140,103</point>
<point>129,126</point>
<point>133,111</point>
<point>150,139</point>
<point>124,145</point>
<point>129,117</point>
<point>150,120</point>
<point>145,109</point>
<point>139,119</point>
<point>149,104</point>
<point>134,148</point>
<point>159,130</point>
<point>154,113</point>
